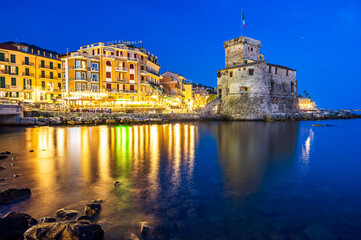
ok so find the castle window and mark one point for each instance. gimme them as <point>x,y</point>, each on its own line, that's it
<point>272,86</point>
<point>245,62</point>
<point>286,72</point>
<point>251,49</point>
<point>274,100</point>
<point>261,99</point>
<point>269,69</point>
<point>131,66</point>
<point>284,87</point>
<point>276,70</point>
<point>250,72</point>
<point>230,74</point>
<point>244,89</point>
<point>284,100</point>
<point>292,86</point>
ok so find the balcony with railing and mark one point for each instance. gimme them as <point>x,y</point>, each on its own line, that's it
<point>133,59</point>
<point>121,69</point>
<point>143,72</point>
<point>3,71</point>
<point>78,68</point>
<point>27,88</point>
<point>28,64</point>
<point>95,69</point>
<point>4,59</point>
<point>25,74</point>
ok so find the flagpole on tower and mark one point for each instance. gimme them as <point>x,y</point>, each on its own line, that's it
<point>242,21</point>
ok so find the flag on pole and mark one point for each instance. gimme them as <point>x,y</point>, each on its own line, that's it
<point>243,19</point>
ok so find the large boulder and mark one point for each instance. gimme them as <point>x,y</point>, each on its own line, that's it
<point>73,230</point>
<point>13,195</point>
<point>13,225</point>
<point>92,209</point>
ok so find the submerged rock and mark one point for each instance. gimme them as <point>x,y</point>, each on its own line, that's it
<point>66,214</point>
<point>5,153</point>
<point>317,232</point>
<point>12,195</point>
<point>73,230</point>
<point>92,209</point>
<point>13,225</point>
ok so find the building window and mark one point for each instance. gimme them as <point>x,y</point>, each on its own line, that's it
<point>2,56</point>
<point>109,85</point>
<point>13,59</point>
<point>250,72</point>
<point>132,87</point>
<point>51,65</point>
<point>26,60</point>
<point>27,72</point>
<point>108,75</point>
<point>51,75</point>
<point>98,51</point>
<point>245,61</point>
<point>131,66</point>
<point>269,69</point>
<point>284,100</point>
<point>43,74</point>
<point>261,99</point>
<point>284,87</point>
<point>274,100</point>
<point>42,63</point>
<point>131,76</point>
<point>13,81</point>
<point>251,49</point>
<point>59,86</point>
<point>286,72</point>
<point>276,70</point>
<point>43,85</point>
<point>59,65</point>
<point>292,86</point>
<point>230,74</point>
<point>59,75</point>
<point>142,78</point>
<point>108,63</point>
<point>244,89</point>
<point>272,86</point>
<point>93,51</point>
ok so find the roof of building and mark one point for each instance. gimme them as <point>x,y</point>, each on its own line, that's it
<point>31,46</point>
<point>8,47</point>
<point>254,63</point>
<point>280,66</point>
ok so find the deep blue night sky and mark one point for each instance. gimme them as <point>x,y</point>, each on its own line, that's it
<point>321,39</point>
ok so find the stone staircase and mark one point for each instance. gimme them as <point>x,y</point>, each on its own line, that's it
<point>207,109</point>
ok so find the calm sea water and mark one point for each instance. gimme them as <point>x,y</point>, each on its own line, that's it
<point>208,180</point>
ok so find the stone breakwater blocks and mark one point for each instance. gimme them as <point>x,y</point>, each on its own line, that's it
<point>27,121</point>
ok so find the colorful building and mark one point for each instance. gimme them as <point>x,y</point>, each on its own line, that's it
<point>306,104</point>
<point>111,75</point>
<point>29,73</point>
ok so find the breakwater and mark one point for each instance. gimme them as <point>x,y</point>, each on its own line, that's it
<point>42,118</point>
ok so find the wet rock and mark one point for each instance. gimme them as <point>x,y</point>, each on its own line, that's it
<point>12,164</point>
<point>3,157</point>
<point>2,179</point>
<point>13,195</point>
<point>31,151</point>
<point>13,225</point>
<point>47,220</point>
<point>144,227</point>
<point>17,175</point>
<point>66,214</point>
<point>2,168</point>
<point>317,232</point>
<point>74,230</point>
<point>132,236</point>
<point>92,209</point>
<point>5,153</point>
<point>84,217</point>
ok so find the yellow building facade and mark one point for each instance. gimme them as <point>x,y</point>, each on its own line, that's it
<point>110,75</point>
<point>29,73</point>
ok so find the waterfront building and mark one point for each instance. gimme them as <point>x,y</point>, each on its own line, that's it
<point>29,73</point>
<point>306,104</point>
<point>250,87</point>
<point>174,84</point>
<point>111,75</point>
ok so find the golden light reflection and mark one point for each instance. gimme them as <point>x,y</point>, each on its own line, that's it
<point>305,155</point>
<point>74,158</point>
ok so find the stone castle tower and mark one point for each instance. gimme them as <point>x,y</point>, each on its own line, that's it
<point>251,88</point>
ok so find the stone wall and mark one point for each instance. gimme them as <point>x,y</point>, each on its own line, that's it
<point>251,97</point>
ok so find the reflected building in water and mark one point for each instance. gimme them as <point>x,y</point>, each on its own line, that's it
<point>245,149</point>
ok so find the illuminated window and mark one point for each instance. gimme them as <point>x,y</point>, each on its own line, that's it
<point>108,74</point>
<point>276,70</point>
<point>13,60</point>
<point>131,76</point>
<point>13,81</point>
<point>231,74</point>
<point>108,63</point>
<point>244,89</point>
<point>250,72</point>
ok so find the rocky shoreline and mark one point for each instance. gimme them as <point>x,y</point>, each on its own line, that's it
<point>86,118</point>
